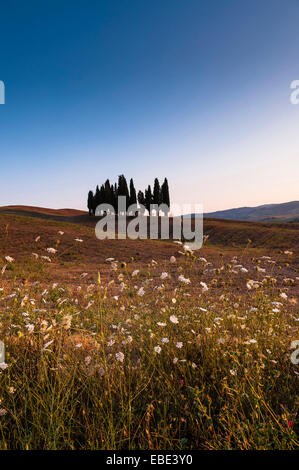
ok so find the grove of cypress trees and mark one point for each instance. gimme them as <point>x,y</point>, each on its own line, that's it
<point>108,193</point>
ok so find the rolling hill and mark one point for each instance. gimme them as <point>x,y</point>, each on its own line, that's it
<point>221,232</point>
<point>285,212</point>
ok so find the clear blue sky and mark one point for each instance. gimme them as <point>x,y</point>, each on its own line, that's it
<point>196,90</point>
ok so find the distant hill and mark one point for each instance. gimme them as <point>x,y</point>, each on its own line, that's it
<point>285,212</point>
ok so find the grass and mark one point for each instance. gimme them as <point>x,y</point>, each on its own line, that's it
<point>136,361</point>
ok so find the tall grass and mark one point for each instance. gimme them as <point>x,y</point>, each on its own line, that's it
<point>182,366</point>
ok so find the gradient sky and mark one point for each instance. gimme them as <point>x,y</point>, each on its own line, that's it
<point>195,90</point>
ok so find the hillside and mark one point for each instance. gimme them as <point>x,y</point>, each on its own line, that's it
<point>226,233</point>
<point>285,212</point>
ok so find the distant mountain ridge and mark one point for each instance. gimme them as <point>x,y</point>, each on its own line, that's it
<point>284,212</point>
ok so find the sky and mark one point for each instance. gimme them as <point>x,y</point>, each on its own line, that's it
<point>194,90</point>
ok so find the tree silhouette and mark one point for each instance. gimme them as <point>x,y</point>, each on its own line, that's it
<point>157,197</point>
<point>90,202</point>
<point>133,198</point>
<point>122,189</point>
<point>165,194</point>
<point>141,200</point>
<point>148,198</point>
<point>108,193</point>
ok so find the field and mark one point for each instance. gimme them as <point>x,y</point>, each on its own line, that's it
<point>122,344</point>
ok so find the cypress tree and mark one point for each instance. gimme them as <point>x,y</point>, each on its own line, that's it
<point>113,198</point>
<point>157,197</point>
<point>165,194</point>
<point>148,198</point>
<point>108,196</point>
<point>97,198</point>
<point>123,189</point>
<point>133,198</point>
<point>90,202</point>
<point>141,200</point>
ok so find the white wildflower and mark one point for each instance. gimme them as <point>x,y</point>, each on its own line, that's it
<point>174,319</point>
<point>120,356</point>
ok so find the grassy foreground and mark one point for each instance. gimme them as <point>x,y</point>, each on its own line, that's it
<point>183,353</point>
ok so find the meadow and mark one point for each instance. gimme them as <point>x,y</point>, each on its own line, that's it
<point>124,344</point>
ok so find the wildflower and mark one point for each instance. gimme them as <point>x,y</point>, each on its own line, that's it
<point>287,252</point>
<point>161,324</point>
<point>46,258</point>
<point>175,360</point>
<point>181,278</point>
<point>60,232</point>
<point>79,345</point>
<point>37,239</point>
<point>87,360</point>
<point>134,273</point>
<point>173,301</point>
<point>172,259</point>
<point>48,344</point>
<point>120,356</point>
<point>141,292</point>
<point>204,286</point>
<point>252,284</point>
<point>66,321</point>
<point>283,295</point>
<point>157,349</point>
<point>111,342</point>
<point>3,412</point>
<point>164,340</point>
<point>30,327</point>
<point>51,250</point>
<point>174,319</point>
<point>164,275</point>
<point>3,365</point>
<point>79,240</point>
<point>9,259</point>
<point>11,390</point>
<point>179,345</point>
<point>233,372</point>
